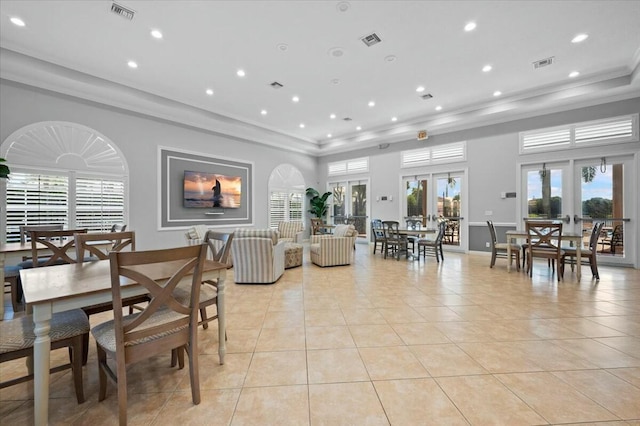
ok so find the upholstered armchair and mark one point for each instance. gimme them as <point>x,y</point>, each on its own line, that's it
<point>258,256</point>
<point>336,249</point>
<point>291,232</point>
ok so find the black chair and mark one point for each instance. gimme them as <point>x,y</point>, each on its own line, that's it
<point>394,241</point>
<point>616,240</point>
<point>500,249</point>
<point>590,253</point>
<point>433,246</point>
<point>377,231</point>
<point>414,225</point>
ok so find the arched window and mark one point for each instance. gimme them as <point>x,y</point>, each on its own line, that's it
<point>286,195</point>
<point>63,173</point>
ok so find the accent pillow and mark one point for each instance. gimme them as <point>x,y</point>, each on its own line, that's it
<point>341,230</point>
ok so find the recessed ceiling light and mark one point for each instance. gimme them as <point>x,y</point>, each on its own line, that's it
<point>580,38</point>
<point>329,135</point>
<point>343,6</point>
<point>394,119</point>
<point>420,89</point>
<point>156,34</point>
<point>371,104</point>
<point>470,26</point>
<point>438,108</point>
<point>358,128</point>
<point>302,125</point>
<point>283,47</point>
<point>335,81</point>
<point>17,21</point>
<point>209,92</point>
<point>497,93</point>
<point>487,68</point>
<point>390,58</point>
<point>332,116</point>
<point>240,73</point>
<point>336,52</point>
<point>295,99</point>
<point>573,74</point>
<point>263,112</point>
<point>132,64</point>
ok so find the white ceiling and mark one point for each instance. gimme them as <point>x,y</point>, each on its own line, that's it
<point>206,42</point>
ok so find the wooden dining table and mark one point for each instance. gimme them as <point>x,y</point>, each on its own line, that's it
<point>520,234</point>
<point>64,287</point>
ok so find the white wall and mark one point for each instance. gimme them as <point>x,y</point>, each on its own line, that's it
<point>138,137</point>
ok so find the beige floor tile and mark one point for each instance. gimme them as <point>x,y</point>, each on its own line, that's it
<point>417,402</point>
<point>142,409</point>
<point>420,333</point>
<point>374,335</point>
<point>464,331</point>
<point>630,375</point>
<point>363,317</point>
<point>281,339</point>
<point>216,408</point>
<point>627,344</point>
<point>345,404</point>
<point>277,369</point>
<point>437,313</point>
<point>329,337</point>
<point>484,400</point>
<point>323,318</point>
<point>598,353</point>
<point>402,315</point>
<point>587,328</point>
<point>392,362</point>
<point>215,376</point>
<point>613,393</point>
<point>238,340</point>
<point>446,360</point>
<point>336,365</point>
<point>553,399</point>
<point>272,406</point>
<point>500,357</point>
<point>282,319</point>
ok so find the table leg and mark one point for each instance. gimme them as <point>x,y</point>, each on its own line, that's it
<point>41,361</point>
<point>509,254</point>
<point>222,333</point>
<point>578,260</point>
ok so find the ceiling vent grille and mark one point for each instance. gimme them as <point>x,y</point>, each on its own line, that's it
<point>426,96</point>
<point>122,11</point>
<point>543,62</point>
<point>348,119</point>
<point>276,85</point>
<point>371,39</point>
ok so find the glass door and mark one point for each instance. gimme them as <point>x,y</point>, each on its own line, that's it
<point>349,204</point>
<point>435,197</point>
<point>604,194</point>
<point>546,186</point>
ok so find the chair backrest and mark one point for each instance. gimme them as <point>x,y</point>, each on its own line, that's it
<point>492,231</point>
<point>414,224</point>
<point>377,229</point>
<point>25,230</point>
<point>595,234</point>
<point>159,272</point>
<point>442,227</point>
<point>242,233</point>
<point>290,229</point>
<point>617,238</point>
<point>118,227</point>
<point>58,249</point>
<point>117,242</point>
<point>220,245</point>
<point>544,236</point>
<point>391,229</point>
<point>316,224</point>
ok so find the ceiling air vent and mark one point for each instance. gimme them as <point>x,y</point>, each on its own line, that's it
<point>371,39</point>
<point>426,96</point>
<point>122,11</point>
<point>276,85</point>
<point>348,119</point>
<point>543,62</point>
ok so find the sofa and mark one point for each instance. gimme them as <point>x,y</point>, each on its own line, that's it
<point>336,249</point>
<point>291,232</point>
<point>258,256</point>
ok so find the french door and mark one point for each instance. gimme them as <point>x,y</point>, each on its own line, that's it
<point>581,192</point>
<point>438,196</point>
<point>349,204</point>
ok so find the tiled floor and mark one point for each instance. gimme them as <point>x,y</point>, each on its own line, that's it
<point>391,342</point>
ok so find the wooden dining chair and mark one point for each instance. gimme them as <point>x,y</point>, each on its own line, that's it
<point>544,241</point>
<point>59,243</point>
<point>414,225</point>
<point>25,230</point>
<point>433,246</point>
<point>394,241</point>
<point>69,329</point>
<point>500,249</point>
<point>570,253</point>
<point>377,231</point>
<point>163,325</point>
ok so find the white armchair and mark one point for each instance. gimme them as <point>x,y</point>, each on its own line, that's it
<point>258,256</point>
<point>291,232</point>
<point>336,249</point>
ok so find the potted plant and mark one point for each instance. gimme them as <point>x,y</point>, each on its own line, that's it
<point>317,202</point>
<point>4,169</point>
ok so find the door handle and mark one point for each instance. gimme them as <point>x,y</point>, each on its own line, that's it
<point>567,219</point>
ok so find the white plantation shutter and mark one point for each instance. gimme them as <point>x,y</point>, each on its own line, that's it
<point>599,132</point>
<point>416,157</point>
<point>35,199</point>
<point>277,209</point>
<point>355,165</point>
<point>99,203</point>
<point>447,153</point>
<point>295,206</point>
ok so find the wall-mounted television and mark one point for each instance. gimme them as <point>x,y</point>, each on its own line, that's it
<point>211,190</point>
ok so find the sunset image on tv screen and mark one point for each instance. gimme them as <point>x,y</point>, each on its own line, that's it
<point>209,190</point>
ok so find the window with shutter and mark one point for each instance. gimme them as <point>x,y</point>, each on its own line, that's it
<point>447,153</point>
<point>99,203</point>
<point>355,165</point>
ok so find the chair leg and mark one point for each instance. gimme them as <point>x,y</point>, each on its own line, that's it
<point>493,259</point>
<point>102,375</point>
<point>517,254</point>
<point>76,351</point>
<point>194,374</point>
<point>594,266</point>
<point>203,318</point>
<point>122,391</point>
<point>85,348</point>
